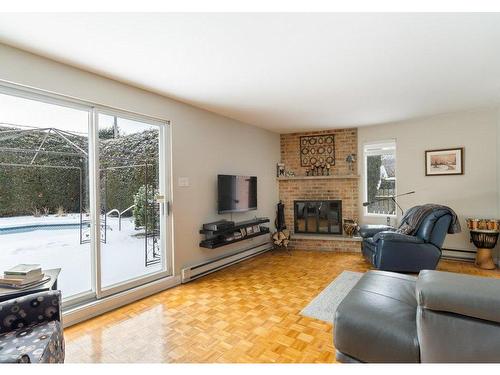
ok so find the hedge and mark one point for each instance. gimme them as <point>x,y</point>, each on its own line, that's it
<point>120,185</point>
<point>24,189</point>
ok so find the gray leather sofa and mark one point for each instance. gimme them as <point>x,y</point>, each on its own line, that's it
<point>436,317</point>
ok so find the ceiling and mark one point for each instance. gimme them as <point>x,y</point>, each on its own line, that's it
<point>283,71</point>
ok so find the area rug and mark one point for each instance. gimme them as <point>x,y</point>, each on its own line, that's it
<point>325,304</point>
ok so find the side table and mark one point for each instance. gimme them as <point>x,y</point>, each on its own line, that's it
<point>51,284</point>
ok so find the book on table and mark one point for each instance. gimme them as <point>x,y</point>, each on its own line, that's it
<point>24,270</point>
<point>23,276</point>
<point>25,283</point>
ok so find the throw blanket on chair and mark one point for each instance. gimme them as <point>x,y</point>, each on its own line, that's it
<point>413,218</point>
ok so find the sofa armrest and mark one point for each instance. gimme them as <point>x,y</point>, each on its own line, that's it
<point>369,230</point>
<point>397,237</point>
<point>472,296</point>
<point>31,309</point>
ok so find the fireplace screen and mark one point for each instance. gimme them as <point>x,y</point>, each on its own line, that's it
<point>323,217</point>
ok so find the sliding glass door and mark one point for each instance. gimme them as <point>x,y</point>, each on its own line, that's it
<point>83,188</point>
<point>132,196</point>
<point>44,190</point>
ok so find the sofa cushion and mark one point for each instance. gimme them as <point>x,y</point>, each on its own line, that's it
<point>376,321</point>
<point>427,226</point>
<point>369,230</point>
<point>30,309</point>
<point>39,343</point>
<point>472,296</point>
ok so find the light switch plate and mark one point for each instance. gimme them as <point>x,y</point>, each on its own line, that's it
<point>183,181</point>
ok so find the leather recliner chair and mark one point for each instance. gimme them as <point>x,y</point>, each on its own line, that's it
<point>437,317</point>
<point>388,250</point>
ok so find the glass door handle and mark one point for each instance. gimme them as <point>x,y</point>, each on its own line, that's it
<point>160,199</point>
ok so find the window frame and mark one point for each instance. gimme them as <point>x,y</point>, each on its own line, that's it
<point>97,294</point>
<point>381,144</point>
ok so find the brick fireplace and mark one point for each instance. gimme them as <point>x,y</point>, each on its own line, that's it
<point>324,227</point>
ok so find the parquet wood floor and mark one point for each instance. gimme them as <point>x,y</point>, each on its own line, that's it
<point>248,312</point>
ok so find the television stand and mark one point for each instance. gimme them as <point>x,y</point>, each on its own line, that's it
<point>241,231</point>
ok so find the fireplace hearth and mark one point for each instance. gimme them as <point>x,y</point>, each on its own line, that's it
<point>318,216</point>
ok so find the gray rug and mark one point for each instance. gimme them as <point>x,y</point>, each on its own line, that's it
<point>324,305</point>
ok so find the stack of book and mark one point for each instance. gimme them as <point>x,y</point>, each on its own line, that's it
<point>23,276</point>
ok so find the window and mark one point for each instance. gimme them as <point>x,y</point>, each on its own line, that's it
<point>380,178</point>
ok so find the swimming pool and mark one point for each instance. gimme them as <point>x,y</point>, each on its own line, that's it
<point>32,227</point>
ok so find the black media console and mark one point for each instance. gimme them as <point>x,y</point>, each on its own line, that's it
<point>240,231</point>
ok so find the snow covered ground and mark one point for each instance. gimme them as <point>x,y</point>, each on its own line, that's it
<point>122,256</point>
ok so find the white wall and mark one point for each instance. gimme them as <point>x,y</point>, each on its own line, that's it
<point>204,144</point>
<point>474,194</point>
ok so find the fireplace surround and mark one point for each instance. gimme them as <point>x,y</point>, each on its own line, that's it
<point>341,184</point>
<point>318,216</point>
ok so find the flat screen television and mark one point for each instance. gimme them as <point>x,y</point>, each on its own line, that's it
<point>236,193</point>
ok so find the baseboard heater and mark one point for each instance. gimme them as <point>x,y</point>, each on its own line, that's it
<point>458,254</point>
<point>202,269</point>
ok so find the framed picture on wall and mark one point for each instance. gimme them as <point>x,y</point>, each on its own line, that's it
<point>449,161</point>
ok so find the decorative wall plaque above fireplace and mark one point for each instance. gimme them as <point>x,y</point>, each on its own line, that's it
<point>316,149</point>
<point>318,217</point>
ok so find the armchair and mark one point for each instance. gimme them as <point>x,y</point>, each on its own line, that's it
<point>389,250</point>
<point>31,329</point>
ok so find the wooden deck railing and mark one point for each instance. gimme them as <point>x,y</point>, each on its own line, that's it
<point>383,204</point>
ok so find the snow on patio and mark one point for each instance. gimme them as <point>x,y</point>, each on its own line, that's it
<point>122,256</point>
